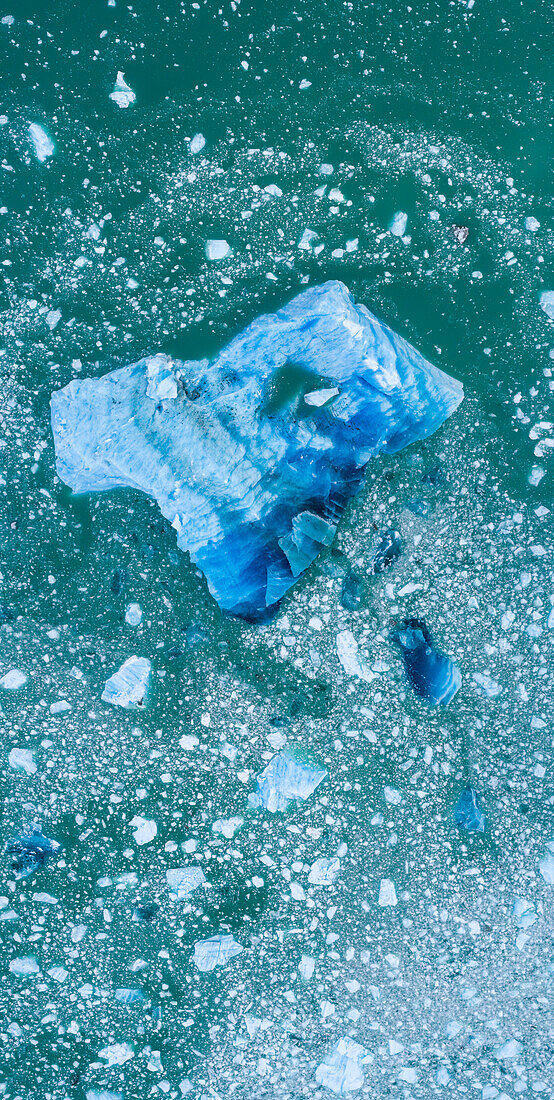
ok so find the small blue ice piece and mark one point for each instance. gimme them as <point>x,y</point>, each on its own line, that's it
<point>30,852</point>
<point>431,673</point>
<point>253,456</point>
<point>387,550</point>
<point>285,778</point>
<point>468,814</point>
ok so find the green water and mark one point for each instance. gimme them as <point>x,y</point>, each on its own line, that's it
<point>438,110</point>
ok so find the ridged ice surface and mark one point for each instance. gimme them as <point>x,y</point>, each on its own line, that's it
<point>252,456</point>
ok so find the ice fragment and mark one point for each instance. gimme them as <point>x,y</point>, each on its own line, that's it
<point>129,685</point>
<point>431,674</point>
<point>22,760</point>
<point>182,881</point>
<point>285,778</point>
<point>13,679</point>
<point>215,951</point>
<point>44,146</point>
<point>341,1071</point>
<point>468,814</point>
<point>122,94</point>
<point>324,872</point>
<point>30,851</point>
<point>387,892</point>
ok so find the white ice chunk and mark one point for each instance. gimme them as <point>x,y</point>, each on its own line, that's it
<point>133,614</point>
<point>508,1050</point>
<point>546,868</point>
<point>13,679</point>
<point>531,224</point>
<point>162,384</point>
<point>182,881</point>
<point>217,250</point>
<point>22,760</point>
<point>215,952</point>
<point>197,143</point>
<point>25,967</point>
<point>324,872</point>
<point>44,147</point>
<point>116,1054</point>
<point>53,317</point>
<point>487,684</point>
<point>103,1094</point>
<point>145,830</point>
<point>398,224</point>
<point>349,657</point>
<point>284,778</point>
<point>58,973</point>
<point>306,967</point>
<point>129,685</point>
<point>318,398</point>
<point>387,892</point>
<point>341,1071</point>
<point>227,826</point>
<point>547,303</point>
<point>122,94</point>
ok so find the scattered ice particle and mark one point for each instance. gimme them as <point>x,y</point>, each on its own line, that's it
<point>216,951</point>
<point>508,1050</point>
<point>44,147</point>
<point>145,830</point>
<point>129,685</point>
<point>162,384</point>
<point>306,967</point>
<point>53,317</point>
<point>387,892</point>
<point>197,143</point>
<point>217,250</point>
<point>122,94</point>
<point>133,614</point>
<point>546,868</point>
<point>547,303</point>
<point>183,881</point>
<point>531,224</point>
<point>398,224</point>
<point>227,827</point>
<point>323,872</point>
<point>468,814</point>
<point>352,663</point>
<point>13,679</point>
<point>341,1071</point>
<point>25,967</point>
<point>284,778</point>
<point>22,760</point>
<point>116,1054</point>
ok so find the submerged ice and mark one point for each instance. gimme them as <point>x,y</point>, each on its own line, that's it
<point>431,673</point>
<point>249,470</point>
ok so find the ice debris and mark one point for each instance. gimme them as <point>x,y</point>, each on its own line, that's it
<point>162,384</point>
<point>431,674</point>
<point>351,592</point>
<point>387,550</point>
<point>25,967</point>
<point>324,872</point>
<point>133,614</point>
<point>197,143</point>
<point>116,1054</point>
<point>215,951</point>
<point>217,250</point>
<point>547,303</point>
<point>122,94</point>
<point>253,479</point>
<point>467,813</point>
<point>183,881</point>
<point>349,657</point>
<point>341,1071</point>
<point>387,892</point>
<point>285,778</point>
<point>398,224</point>
<point>488,686</point>
<point>13,679</point>
<point>22,760</point>
<point>129,685</point>
<point>30,851</point>
<point>145,830</point>
<point>43,145</point>
<point>546,866</point>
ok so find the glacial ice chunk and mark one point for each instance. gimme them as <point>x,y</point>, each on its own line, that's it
<point>216,951</point>
<point>468,814</point>
<point>217,250</point>
<point>13,680</point>
<point>122,94</point>
<point>162,384</point>
<point>253,478</point>
<point>129,685</point>
<point>145,830</point>
<point>25,967</point>
<point>22,760</point>
<point>431,673</point>
<point>349,657</point>
<point>398,224</point>
<point>341,1071</point>
<point>197,143</point>
<point>30,851</point>
<point>285,778</point>
<point>387,892</point>
<point>546,868</point>
<point>183,881</point>
<point>547,303</point>
<point>43,145</point>
<point>324,872</point>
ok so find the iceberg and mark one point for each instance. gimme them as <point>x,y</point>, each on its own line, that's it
<point>43,145</point>
<point>252,476</point>
<point>215,952</point>
<point>30,852</point>
<point>122,94</point>
<point>431,673</point>
<point>341,1071</point>
<point>283,779</point>
<point>129,685</point>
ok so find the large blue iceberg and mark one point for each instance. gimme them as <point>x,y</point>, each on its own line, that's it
<point>252,456</point>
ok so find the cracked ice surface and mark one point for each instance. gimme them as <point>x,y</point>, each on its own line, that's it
<point>253,477</point>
